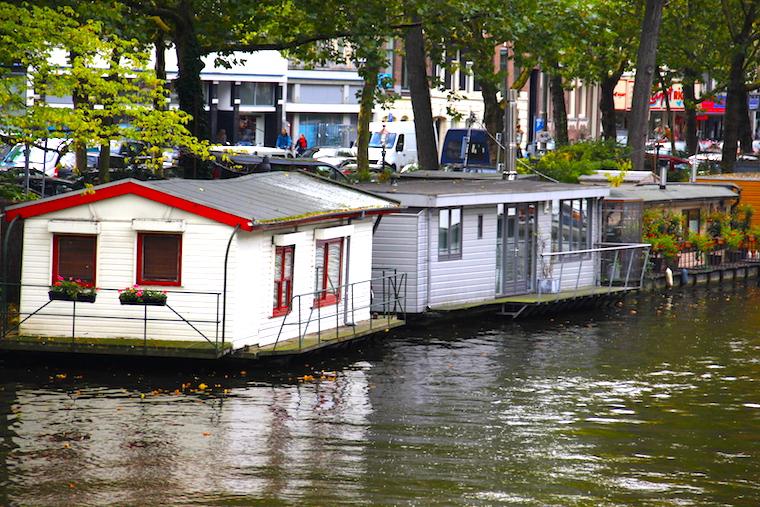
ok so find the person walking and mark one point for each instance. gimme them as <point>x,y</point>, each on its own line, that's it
<point>284,141</point>
<point>301,145</point>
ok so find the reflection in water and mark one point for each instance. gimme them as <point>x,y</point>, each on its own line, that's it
<point>655,403</point>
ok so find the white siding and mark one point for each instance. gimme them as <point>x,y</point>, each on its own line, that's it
<point>203,245</point>
<point>396,245</point>
<point>255,273</point>
<point>473,277</point>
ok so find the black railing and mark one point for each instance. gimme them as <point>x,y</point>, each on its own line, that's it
<point>693,259</point>
<point>75,311</point>
<point>306,312</point>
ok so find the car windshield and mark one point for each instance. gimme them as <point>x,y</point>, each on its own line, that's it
<point>377,140</point>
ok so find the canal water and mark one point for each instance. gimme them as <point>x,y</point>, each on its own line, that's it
<point>653,403</point>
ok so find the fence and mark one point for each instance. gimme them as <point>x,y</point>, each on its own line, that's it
<point>317,323</point>
<point>691,258</point>
<point>138,325</point>
<point>603,269</point>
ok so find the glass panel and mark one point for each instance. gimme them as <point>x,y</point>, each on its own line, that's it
<point>76,257</point>
<point>456,231</point>
<point>443,232</point>
<point>275,296</point>
<point>264,94</point>
<point>319,265</point>
<point>160,257</point>
<point>289,263</point>
<point>555,226</point>
<point>333,267</point>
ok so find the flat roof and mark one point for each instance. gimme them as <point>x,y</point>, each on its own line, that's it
<point>463,192</point>
<point>731,176</point>
<point>673,192</point>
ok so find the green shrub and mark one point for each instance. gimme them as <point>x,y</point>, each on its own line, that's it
<point>569,163</point>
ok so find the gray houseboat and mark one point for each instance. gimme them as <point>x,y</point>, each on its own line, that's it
<point>470,242</point>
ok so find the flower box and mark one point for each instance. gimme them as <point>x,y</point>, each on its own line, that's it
<point>79,298</point>
<point>143,302</point>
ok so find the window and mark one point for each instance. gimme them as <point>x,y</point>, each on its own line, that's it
<point>159,259</point>
<point>400,143</point>
<point>328,261</point>
<point>256,94</point>
<point>691,217</point>
<point>450,234</point>
<point>480,226</point>
<point>283,280</point>
<point>571,225</point>
<point>75,257</point>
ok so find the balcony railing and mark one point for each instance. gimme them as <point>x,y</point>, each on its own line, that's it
<point>604,269</point>
<point>381,299</point>
<point>147,328</point>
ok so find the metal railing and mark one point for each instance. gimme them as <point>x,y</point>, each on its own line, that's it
<point>691,258</point>
<point>70,310</point>
<point>603,269</point>
<point>310,316</point>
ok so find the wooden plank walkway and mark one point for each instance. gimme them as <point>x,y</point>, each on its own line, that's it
<point>316,341</point>
<point>536,299</point>
<point>114,346</point>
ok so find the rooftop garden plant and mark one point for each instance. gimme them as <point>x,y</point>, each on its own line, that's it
<point>138,296</point>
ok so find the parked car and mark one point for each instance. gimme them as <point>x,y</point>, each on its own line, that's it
<point>232,166</point>
<point>49,155</point>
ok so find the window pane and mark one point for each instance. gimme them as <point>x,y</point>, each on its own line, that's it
<point>333,266</point>
<point>160,257</point>
<point>319,265</point>
<point>276,295</point>
<point>443,232</point>
<point>76,257</point>
<point>289,263</point>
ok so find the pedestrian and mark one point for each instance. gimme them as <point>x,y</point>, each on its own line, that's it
<point>301,144</point>
<point>221,137</point>
<point>284,142</point>
<point>518,140</point>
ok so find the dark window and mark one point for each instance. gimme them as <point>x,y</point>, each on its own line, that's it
<point>571,225</point>
<point>400,143</point>
<point>480,226</point>
<point>691,218</point>
<point>159,259</point>
<point>75,257</point>
<point>283,280</point>
<point>450,234</point>
<point>329,263</point>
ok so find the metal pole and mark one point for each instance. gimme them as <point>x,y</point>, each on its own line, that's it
<point>224,302</point>
<point>511,161</point>
<point>44,164</point>
<point>27,153</point>
<point>503,61</point>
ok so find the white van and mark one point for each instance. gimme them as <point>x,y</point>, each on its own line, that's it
<point>400,143</point>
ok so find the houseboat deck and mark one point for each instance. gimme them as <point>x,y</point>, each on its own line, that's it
<point>315,341</point>
<point>115,346</point>
<point>580,295</point>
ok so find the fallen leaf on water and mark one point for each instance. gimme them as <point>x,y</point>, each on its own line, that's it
<point>206,434</point>
<point>72,485</point>
<point>202,386</point>
<point>60,375</point>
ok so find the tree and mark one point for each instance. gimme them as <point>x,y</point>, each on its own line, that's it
<point>109,73</point>
<point>642,88</point>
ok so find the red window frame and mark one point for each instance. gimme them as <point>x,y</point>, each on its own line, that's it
<point>57,253</point>
<point>324,297</point>
<point>167,283</point>
<point>282,284</point>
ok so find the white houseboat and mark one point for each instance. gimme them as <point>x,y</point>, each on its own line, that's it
<point>279,257</point>
<point>466,242</point>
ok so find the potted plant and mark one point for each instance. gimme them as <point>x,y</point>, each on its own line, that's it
<point>71,290</point>
<point>665,248</point>
<point>703,244</point>
<point>734,239</point>
<point>136,295</point>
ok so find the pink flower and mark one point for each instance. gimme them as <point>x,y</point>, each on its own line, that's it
<point>163,292</point>
<point>120,291</point>
<point>139,293</point>
<point>59,277</point>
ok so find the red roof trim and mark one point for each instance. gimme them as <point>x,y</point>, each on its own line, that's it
<point>128,187</point>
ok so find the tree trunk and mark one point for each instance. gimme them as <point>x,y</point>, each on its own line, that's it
<point>664,87</point>
<point>745,128</point>
<point>80,150</point>
<point>160,68</point>
<point>642,87</point>
<point>188,82</point>
<point>559,110</point>
<point>607,106</point>
<point>493,116</point>
<point>366,104</point>
<point>690,107</point>
<point>104,163</point>
<point>732,117</point>
<point>419,89</point>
